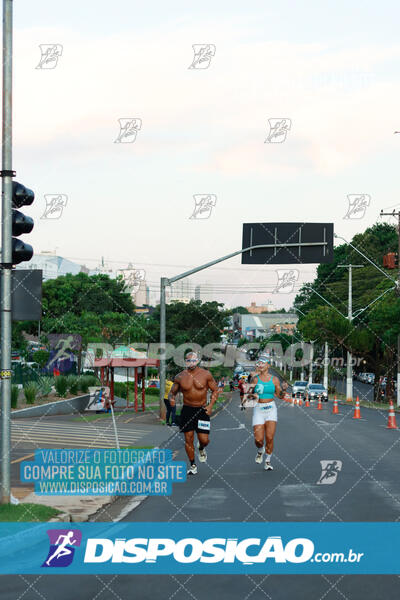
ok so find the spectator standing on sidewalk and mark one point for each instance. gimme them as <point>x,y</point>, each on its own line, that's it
<point>171,410</point>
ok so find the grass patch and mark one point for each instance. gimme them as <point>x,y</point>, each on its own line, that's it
<point>26,512</point>
<point>93,417</point>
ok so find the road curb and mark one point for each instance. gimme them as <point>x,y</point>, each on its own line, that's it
<point>63,517</point>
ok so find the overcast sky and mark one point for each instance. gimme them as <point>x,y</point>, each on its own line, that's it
<point>332,68</point>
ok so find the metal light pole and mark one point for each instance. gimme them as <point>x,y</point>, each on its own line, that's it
<point>349,370</point>
<point>167,281</point>
<point>6,252</point>
<point>310,373</point>
<point>326,361</point>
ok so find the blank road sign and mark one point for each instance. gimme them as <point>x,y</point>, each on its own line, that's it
<point>26,294</point>
<point>290,243</point>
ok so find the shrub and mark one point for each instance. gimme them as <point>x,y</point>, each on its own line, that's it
<point>120,389</point>
<point>84,384</point>
<point>151,391</point>
<point>30,392</point>
<point>73,384</point>
<point>14,396</point>
<point>61,385</point>
<point>45,386</point>
<point>93,380</point>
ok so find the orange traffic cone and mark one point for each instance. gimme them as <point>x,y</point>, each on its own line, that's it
<point>392,418</point>
<point>357,412</point>
<point>319,407</point>
<point>335,410</point>
<point>300,402</point>
<point>307,403</point>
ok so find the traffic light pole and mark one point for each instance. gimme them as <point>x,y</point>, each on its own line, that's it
<point>6,253</point>
<point>167,281</point>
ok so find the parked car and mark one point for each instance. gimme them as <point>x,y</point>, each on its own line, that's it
<point>299,387</point>
<point>314,390</point>
<point>370,378</point>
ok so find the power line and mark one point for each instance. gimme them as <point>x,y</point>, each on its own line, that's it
<point>127,261</point>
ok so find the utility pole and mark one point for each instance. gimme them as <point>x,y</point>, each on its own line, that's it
<point>6,253</point>
<point>396,214</point>
<point>349,373</point>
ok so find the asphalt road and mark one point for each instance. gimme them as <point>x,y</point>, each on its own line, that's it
<point>232,487</point>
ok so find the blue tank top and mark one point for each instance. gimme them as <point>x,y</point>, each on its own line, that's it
<point>268,389</point>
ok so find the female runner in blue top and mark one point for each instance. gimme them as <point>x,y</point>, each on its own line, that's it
<point>265,416</point>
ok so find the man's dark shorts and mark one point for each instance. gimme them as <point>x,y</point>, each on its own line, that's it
<point>194,418</point>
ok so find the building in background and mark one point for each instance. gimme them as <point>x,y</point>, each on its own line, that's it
<point>288,328</point>
<point>135,284</point>
<point>53,266</point>
<point>253,326</point>
<point>180,291</point>
<point>142,296</point>
<point>264,308</point>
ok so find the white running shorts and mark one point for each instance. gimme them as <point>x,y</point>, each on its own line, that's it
<point>263,412</point>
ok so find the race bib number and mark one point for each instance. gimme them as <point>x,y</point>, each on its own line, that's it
<point>266,406</point>
<point>203,424</point>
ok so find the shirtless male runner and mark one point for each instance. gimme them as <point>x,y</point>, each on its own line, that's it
<point>194,383</point>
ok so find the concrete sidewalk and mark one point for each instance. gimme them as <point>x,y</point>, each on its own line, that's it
<point>82,508</point>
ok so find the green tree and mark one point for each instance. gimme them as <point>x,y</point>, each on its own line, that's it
<point>83,293</point>
<point>42,357</point>
<point>198,322</point>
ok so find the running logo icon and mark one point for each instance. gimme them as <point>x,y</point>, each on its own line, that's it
<point>330,471</point>
<point>50,55</point>
<point>358,204</point>
<point>62,547</point>
<point>203,205</point>
<point>278,130</point>
<point>203,54</point>
<point>128,129</point>
<point>55,204</point>
<point>286,280</point>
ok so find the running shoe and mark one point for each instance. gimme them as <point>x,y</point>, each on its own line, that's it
<point>202,455</point>
<point>259,456</point>
<point>268,466</point>
<point>192,470</point>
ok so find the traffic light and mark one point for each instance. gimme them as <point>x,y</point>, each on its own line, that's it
<point>21,196</point>
<point>390,260</point>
